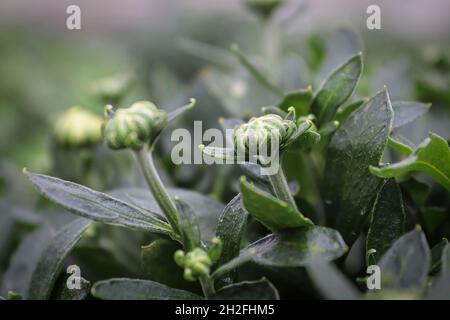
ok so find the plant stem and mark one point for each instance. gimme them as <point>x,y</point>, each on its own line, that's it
<point>281,188</point>
<point>207,286</point>
<point>157,188</point>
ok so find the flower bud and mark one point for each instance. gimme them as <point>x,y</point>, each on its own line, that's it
<point>195,263</point>
<point>257,134</point>
<point>215,250</point>
<point>78,128</point>
<point>133,127</point>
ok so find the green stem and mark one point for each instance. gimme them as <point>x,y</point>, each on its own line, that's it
<point>157,188</point>
<point>281,188</point>
<point>207,286</point>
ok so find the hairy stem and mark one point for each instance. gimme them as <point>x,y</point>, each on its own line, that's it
<point>281,188</point>
<point>157,188</point>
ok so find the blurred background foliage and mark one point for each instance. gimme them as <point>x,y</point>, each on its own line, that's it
<point>174,50</point>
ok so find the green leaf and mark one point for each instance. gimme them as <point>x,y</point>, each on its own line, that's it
<point>431,156</point>
<point>296,247</point>
<point>388,219</point>
<point>349,188</point>
<point>434,217</point>
<point>262,79</point>
<point>135,289</point>
<point>440,289</point>
<point>159,265</point>
<point>52,257</point>
<point>95,205</point>
<point>206,209</point>
<point>405,265</point>
<point>418,191</point>
<point>230,230</point>
<point>180,111</point>
<point>61,291</point>
<point>399,146</point>
<point>345,111</point>
<point>407,111</point>
<point>336,89</point>
<point>248,290</point>
<point>17,276</point>
<point>331,282</point>
<point>273,213</point>
<point>300,100</point>
<point>436,256</point>
<point>190,231</point>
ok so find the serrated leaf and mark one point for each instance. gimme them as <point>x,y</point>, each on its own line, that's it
<point>190,230</point>
<point>407,111</point>
<point>332,283</point>
<point>135,289</point>
<point>388,219</point>
<point>247,290</point>
<point>349,187</point>
<point>95,205</point>
<point>405,265</point>
<point>336,89</point>
<point>431,156</point>
<point>300,100</point>
<point>275,214</point>
<point>50,261</point>
<point>230,230</point>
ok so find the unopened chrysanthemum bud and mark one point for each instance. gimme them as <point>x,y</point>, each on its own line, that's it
<point>78,128</point>
<point>263,7</point>
<point>196,263</point>
<point>258,134</point>
<point>215,250</point>
<point>112,89</point>
<point>133,127</point>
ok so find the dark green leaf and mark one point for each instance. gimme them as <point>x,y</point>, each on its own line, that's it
<point>436,256</point>
<point>206,209</point>
<point>135,289</point>
<point>336,89</point>
<point>431,156</point>
<point>18,275</point>
<point>290,248</point>
<point>331,282</point>
<point>159,265</point>
<point>407,111</point>
<point>345,111</point>
<point>418,191</point>
<point>434,217</point>
<point>248,290</point>
<point>388,219</point>
<point>300,100</point>
<point>96,205</point>
<point>190,231</point>
<point>405,265</point>
<point>50,261</point>
<point>230,230</point>
<point>349,188</point>
<point>273,213</point>
<point>440,289</point>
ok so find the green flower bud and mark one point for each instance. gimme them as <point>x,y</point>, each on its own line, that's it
<point>179,258</point>
<point>256,135</point>
<point>263,7</point>
<point>215,250</point>
<point>78,128</point>
<point>196,263</point>
<point>133,127</point>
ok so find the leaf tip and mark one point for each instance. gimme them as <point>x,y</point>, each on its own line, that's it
<point>309,89</point>
<point>25,171</point>
<point>234,47</point>
<point>192,102</point>
<point>418,228</point>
